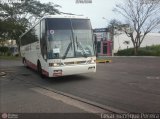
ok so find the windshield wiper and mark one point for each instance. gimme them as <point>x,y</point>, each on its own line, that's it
<point>68,47</point>
<point>65,54</point>
<point>78,44</point>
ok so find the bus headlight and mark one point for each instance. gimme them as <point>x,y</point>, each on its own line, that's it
<point>91,61</point>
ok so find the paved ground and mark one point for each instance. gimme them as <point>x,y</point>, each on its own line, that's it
<point>128,84</point>
<point>19,99</point>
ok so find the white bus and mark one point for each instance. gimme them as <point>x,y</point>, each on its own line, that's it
<point>59,46</point>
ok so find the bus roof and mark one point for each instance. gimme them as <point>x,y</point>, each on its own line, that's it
<point>65,16</point>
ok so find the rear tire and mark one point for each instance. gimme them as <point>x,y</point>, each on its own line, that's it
<point>25,62</point>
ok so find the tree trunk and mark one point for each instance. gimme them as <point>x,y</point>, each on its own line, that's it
<point>135,51</point>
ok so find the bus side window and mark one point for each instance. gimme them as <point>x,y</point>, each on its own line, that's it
<point>43,42</point>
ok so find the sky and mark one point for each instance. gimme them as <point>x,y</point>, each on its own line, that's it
<point>99,11</point>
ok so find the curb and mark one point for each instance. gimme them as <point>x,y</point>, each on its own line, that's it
<point>103,61</point>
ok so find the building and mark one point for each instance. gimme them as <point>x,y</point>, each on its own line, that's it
<point>103,41</point>
<point>122,41</point>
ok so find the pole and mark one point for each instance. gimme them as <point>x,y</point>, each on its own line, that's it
<point>112,40</point>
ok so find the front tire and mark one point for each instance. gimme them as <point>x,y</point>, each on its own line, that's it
<point>39,69</point>
<point>25,62</point>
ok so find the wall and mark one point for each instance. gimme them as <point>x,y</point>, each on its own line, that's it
<point>150,39</point>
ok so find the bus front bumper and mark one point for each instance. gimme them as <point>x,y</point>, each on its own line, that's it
<point>71,70</point>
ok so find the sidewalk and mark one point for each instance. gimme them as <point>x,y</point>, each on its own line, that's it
<point>17,98</point>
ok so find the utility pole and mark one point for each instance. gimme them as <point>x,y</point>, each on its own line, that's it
<point>112,38</point>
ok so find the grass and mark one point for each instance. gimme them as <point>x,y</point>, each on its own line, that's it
<point>144,51</point>
<point>4,57</point>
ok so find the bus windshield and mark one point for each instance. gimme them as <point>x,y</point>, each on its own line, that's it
<point>69,38</point>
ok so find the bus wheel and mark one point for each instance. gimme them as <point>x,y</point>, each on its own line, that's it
<point>39,69</point>
<point>24,62</point>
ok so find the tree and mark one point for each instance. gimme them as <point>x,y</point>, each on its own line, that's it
<point>114,22</point>
<point>32,10</point>
<point>114,25</point>
<point>126,43</point>
<point>15,18</point>
<point>142,16</point>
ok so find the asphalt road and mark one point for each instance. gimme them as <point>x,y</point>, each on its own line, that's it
<point>127,84</point>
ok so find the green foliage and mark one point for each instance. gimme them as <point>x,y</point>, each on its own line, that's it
<point>145,51</point>
<point>126,52</point>
<point>4,50</point>
<point>9,53</point>
<point>10,29</point>
<point>10,57</point>
<point>17,55</point>
<point>15,18</point>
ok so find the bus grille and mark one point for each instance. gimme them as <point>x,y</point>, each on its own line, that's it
<point>75,62</point>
